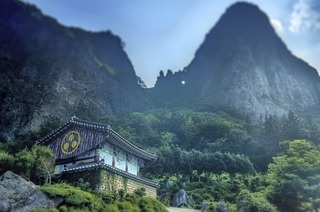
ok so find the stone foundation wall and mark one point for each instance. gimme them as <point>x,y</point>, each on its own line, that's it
<point>111,182</point>
<point>91,176</point>
<point>104,180</point>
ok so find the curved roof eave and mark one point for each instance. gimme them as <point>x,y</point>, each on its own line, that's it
<point>119,140</point>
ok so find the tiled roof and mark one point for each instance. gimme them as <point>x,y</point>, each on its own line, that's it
<point>114,137</point>
<point>86,167</point>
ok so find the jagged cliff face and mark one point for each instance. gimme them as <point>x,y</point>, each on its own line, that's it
<point>50,70</point>
<point>243,66</point>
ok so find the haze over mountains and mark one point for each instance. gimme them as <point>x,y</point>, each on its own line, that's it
<point>243,67</point>
<point>50,70</point>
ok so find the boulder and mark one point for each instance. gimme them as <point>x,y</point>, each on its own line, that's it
<point>221,208</point>
<point>205,206</point>
<point>181,198</point>
<point>17,194</point>
<point>170,183</point>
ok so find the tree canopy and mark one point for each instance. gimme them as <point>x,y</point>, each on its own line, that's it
<point>295,177</point>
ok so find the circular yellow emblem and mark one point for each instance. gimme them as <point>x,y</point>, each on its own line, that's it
<point>70,142</point>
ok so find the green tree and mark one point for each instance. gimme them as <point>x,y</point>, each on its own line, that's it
<point>294,176</point>
<point>24,163</point>
<point>312,129</point>
<point>6,162</point>
<point>292,127</point>
<point>254,202</point>
<point>44,162</point>
<point>271,133</point>
<point>271,127</point>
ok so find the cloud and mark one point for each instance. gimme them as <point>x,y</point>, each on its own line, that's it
<point>305,16</point>
<point>277,25</point>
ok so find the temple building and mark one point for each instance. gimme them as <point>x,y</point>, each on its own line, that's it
<point>99,155</point>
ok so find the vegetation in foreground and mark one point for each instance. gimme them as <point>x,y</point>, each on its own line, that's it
<point>291,184</point>
<point>75,199</point>
<point>213,156</point>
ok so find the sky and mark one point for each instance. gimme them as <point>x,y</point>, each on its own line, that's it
<point>162,35</point>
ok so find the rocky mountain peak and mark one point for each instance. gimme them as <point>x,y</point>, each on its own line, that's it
<point>242,28</point>
<point>241,14</point>
<point>244,19</point>
<point>243,67</point>
<point>48,70</point>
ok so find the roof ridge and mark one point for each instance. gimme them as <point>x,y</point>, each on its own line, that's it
<point>132,145</point>
<point>75,119</point>
<point>116,138</point>
<point>52,133</point>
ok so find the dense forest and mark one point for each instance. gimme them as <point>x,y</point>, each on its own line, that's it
<point>217,158</point>
<point>244,162</point>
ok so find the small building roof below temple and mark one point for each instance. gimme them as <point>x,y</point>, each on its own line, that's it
<point>92,135</point>
<point>94,166</point>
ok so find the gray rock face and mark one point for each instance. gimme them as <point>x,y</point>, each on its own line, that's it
<point>205,206</point>
<point>221,208</point>
<point>181,198</point>
<point>170,183</point>
<point>244,67</point>
<point>48,70</point>
<point>16,194</point>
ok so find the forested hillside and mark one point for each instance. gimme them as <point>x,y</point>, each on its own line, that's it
<point>47,69</point>
<point>238,128</point>
<point>243,67</point>
<point>183,132</point>
<point>217,157</point>
<point>213,156</point>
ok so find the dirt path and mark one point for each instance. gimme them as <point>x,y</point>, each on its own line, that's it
<point>172,209</point>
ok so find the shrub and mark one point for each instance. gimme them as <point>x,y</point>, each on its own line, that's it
<point>6,161</point>
<point>127,206</point>
<point>140,192</point>
<point>74,197</point>
<point>133,198</point>
<point>254,202</point>
<point>112,207</point>
<point>63,208</point>
<point>107,197</point>
<point>148,204</point>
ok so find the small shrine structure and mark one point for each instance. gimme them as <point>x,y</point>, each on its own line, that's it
<point>99,155</point>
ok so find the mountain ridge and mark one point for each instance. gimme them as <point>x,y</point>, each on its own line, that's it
<point>244,67</point>
<point>49,70</point>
